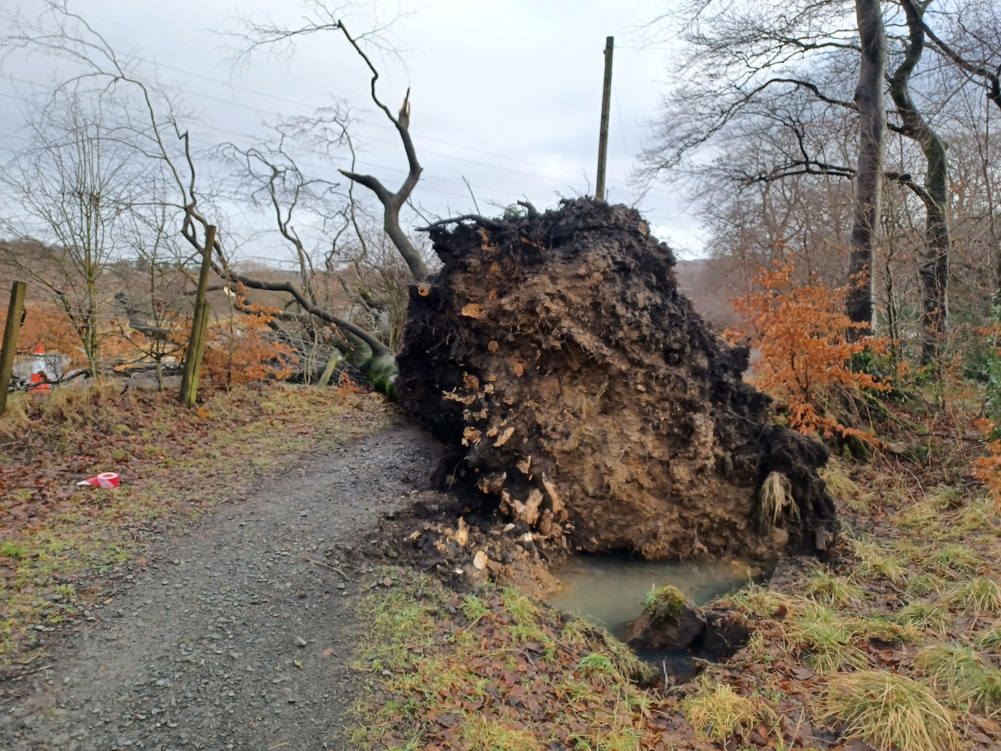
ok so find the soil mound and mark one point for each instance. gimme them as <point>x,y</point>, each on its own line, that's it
<point>581,392</point>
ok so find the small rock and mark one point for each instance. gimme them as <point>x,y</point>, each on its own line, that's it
<point>387,582</point>
<point>300,642</point>
<point>480,560</point>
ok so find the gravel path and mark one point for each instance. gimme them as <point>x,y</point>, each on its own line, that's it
<point>234,637</point>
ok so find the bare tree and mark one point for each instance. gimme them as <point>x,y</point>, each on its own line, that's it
<point>782,81</point>
<point>76,185</point>
<point>154,130</point>
<point>323,18</point>
<point>868,178</point>
<point>934,194</point>
<point>155,312</point>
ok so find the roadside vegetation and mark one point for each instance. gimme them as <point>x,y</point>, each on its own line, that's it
<point>892,645</point>
<point>175,463</point>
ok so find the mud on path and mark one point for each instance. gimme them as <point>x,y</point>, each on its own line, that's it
<point>239,633</point>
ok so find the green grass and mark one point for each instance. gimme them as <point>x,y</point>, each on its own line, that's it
<point>953,558</point>
<point>876,562</point>
<point>924,614</point>
<point>990,641</point>
<point>963,676</point>
<point>13,550</point>
<point>757,600</point>
<point>978,596</point>
<point>890,712</point>
<point>593,664</point>
<point>718,713</point>
<point>922,584</point>
<point>977,517</point>
<point>830,589</point>
<point>433,653</point>
<point>886,629</point>
<point>474,608</point>
<point>824,639</point>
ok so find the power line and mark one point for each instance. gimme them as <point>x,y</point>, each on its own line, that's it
<point>549,178</point>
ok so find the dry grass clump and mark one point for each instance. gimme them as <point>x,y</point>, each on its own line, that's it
<point>963,676</point>
<point>931,616</point>
<point>921,585</point>
<point>830,589</point>
<point>718,713</point>
<point>953,557</point>
<point>824,638</point>
<point>875,562</point>
<point>888,711</point>
<point>990,641</point>
<point>758,600</point>
<point>841,486</point>
<point>978,596</point>
<point>775,501</point>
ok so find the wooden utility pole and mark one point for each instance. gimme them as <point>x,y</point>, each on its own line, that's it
<point>606,96</point>
<point>199,325</point>
<point>15,310</point>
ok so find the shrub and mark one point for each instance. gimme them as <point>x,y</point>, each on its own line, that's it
<point>244,350</point>
<point>801,332</point>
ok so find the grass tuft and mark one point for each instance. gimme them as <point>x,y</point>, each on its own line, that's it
<point>718,713</point>
<point>757,600</point>
<point>978,596</point>
<point>931,616</point>
<point>876,562</point>
<point>474,608</point>
<point>990,641</point>
<point>824,638</point>
<point>888,630</point>
<point>954,557</point>
<point>838,483</point>
<point>922,516</point>
<point>889,712</point>
<point>979,516</point>
<point>830,589</point>
<point>945,497</point>
<point>593,664</point>
<point>923,584</point>
<point>489,735</point>
<point>962,675</point>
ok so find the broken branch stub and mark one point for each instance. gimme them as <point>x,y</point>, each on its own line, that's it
<point>589,399</point>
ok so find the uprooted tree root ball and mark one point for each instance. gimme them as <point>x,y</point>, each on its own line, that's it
<point>582,392</point>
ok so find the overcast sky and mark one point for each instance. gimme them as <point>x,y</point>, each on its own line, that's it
<point>504,94</point>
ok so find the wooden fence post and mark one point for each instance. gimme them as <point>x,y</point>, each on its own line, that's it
<point>15,310</point>
<point>199,325</point>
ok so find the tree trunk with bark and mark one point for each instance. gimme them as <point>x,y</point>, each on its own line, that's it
<point>868,178</point>
<point>934,269</point>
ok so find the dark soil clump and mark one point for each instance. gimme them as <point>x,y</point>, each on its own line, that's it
<point>582,395</point>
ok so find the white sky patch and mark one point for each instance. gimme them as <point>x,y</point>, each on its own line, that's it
<point>504,95</point>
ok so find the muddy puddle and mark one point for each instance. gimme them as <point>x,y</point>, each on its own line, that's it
<point>610,590</point>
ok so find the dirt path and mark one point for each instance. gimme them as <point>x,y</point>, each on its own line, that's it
<point>233,637</point>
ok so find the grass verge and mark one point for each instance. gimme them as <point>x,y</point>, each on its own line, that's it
<point>175,464</point>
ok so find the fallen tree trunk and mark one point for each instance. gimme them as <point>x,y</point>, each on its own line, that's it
<point>582,392</point>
